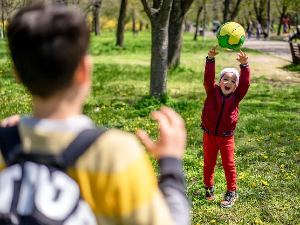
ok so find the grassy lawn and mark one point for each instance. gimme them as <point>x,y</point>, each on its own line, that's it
<point>267,135</point>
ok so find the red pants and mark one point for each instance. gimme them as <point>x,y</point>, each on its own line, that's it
<point>211,146</point>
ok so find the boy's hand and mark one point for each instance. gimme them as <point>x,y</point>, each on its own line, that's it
<point>10,121</point>
<point>172,135</point>
<point>212,53</point>
<point>243,58</point>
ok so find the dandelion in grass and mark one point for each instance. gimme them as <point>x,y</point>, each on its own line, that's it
<point>265,183</point>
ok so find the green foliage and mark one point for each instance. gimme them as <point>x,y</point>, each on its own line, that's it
<point>267,135</point>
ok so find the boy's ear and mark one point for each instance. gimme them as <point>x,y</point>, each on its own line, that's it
<point>84,69</point>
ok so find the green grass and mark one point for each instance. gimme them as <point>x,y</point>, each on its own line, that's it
<point>267,135</point>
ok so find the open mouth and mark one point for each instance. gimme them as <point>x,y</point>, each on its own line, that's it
<point>227,88</point>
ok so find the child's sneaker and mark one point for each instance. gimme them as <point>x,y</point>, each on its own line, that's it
<point>209,194</point>
<point>229,198</point>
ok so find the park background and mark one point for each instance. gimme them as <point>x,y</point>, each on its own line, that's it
<point>268,132</point>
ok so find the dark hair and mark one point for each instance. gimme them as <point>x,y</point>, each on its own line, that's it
<point>47,43</point>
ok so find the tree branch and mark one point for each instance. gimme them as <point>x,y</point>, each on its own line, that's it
<point>186,5</point>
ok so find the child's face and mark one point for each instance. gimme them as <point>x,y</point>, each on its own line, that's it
<point>228,83</point>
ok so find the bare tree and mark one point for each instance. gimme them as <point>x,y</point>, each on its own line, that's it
<point>96,20</point>
<point>159,15</point>
<point>8,7</point>
<point>176,28</point>
<point>231,10</point>
<point>121,24</point>
<point>134,30</point>
<point>226,10</point>
<point>260,8</point>
<point>197,22</point>
<point>141,25</point>
<point>235,10</point>
<point>282,7</point>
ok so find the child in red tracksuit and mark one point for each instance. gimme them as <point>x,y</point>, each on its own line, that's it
<point>219,119</point>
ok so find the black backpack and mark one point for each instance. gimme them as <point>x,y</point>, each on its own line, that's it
<point>35,189</point>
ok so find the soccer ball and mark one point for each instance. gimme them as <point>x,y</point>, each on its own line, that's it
<point>231,35</point>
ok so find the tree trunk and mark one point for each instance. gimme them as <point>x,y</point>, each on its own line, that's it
<point>96,12</point>
<point>204,21</point>
<point>269,18</point>
<point>259,10</point>
<point>176,29</point>
<point>197,22</point>
<point>159,59</point>
<point>159,16</point>
<point>2,18</point>
<point>176,25</point>
<point>280,23</point>
<point>121,24</point>
<point>134,30</point>
<point>141,25</point>
<point>235,11</point>
<point>226,10</point>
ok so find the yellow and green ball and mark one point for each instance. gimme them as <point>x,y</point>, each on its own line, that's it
<point>231,35</point>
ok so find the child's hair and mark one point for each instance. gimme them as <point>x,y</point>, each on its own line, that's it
<point>46,43</point>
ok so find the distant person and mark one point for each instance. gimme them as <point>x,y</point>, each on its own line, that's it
<point>48,46</point>
<point>258,29</point>
<point>286,24</point>
<point>219,119</point>
<point>265,33</point>
<point>250,30</point>
<point>295,35</point>
<point>216,26</point>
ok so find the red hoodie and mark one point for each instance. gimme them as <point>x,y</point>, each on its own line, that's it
<point>220,113</point>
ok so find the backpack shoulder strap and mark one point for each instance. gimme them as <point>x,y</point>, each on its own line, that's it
<point>12,151</point>
<point>77,147</point>
<point>9,139</point>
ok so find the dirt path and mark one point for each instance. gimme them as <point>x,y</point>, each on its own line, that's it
<point>280,49</point>
<point>270,65</point>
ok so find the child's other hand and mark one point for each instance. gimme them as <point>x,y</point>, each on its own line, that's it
<point>10,121</point>
<point>243,58</point>
<point>212,53</point>
<point>172,135</point>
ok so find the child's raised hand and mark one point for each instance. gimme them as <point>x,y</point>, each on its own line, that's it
<point>212,53</point>
<point>243,58</point>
